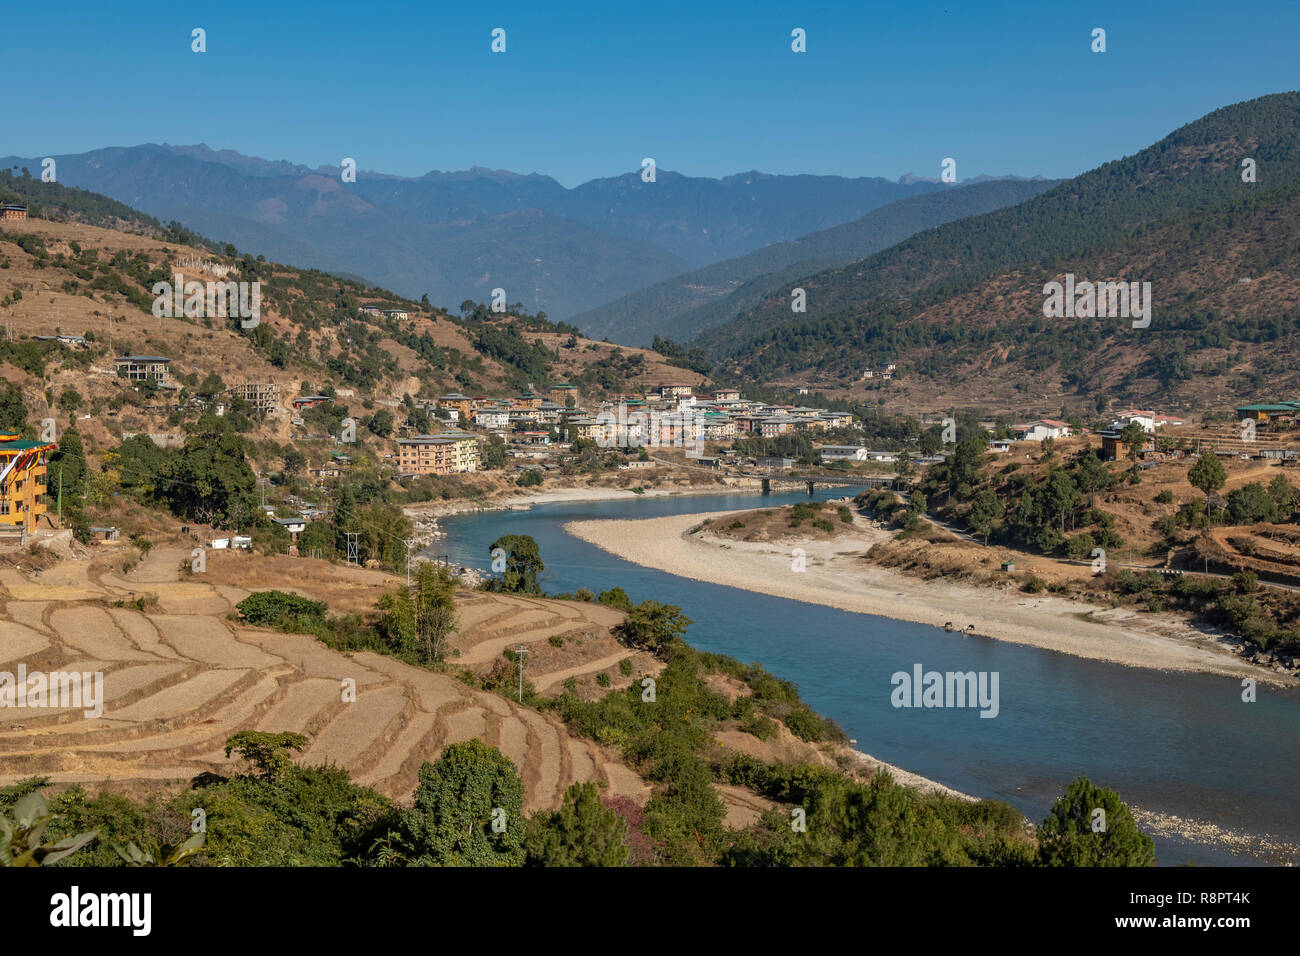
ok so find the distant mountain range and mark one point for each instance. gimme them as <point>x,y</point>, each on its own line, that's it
<point>458,235</point>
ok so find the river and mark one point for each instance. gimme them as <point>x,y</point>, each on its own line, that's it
<point>1169,743</point>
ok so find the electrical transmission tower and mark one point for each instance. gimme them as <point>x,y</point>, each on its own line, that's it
<point>352,546</point>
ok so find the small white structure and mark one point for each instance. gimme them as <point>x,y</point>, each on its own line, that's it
<point>1043,428</point>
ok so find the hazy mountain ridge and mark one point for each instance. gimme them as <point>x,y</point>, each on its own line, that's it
<point>685,305</point>
<point>434,234</point>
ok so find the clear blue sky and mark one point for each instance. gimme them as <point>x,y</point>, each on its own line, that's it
<point>587,90</point>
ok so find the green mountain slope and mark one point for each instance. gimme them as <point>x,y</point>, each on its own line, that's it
<point>1195,169</point>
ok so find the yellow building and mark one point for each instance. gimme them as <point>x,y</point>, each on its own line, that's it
<point>22,481</point>
<point>441,454</point>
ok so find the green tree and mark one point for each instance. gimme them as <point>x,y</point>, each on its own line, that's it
<point>456,801</point>
<point>523,563</point>
<point>13,413</point>
<point>69,399</point>
<point>615,597</point>
<point>69,461</point>
<point>654,626</point>
<point>984,511</point>
<point>1134,437</point>
<point>1283,495</point>
<point>494,453</point>
<point>434,611</point>
<point>209,478</point>
<point>583,832</point>
<point>267,752</point>
<point>210,387</point>
<point>1207,474</point>
<point>381,423</point>
<point>1076,834</point>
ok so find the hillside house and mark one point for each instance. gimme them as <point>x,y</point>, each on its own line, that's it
<point>1267,412</point>
<point>13,211</point>
<point>139,368</point>
<point>22,481</point>
<point>310,401</point>
<point>1043,428</point>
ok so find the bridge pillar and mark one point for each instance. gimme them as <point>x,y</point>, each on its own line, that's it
<point>810,488</point>
<point>767,486</point>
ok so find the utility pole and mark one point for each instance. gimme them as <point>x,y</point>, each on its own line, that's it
<point>520,651</point>
<point>408,542</point>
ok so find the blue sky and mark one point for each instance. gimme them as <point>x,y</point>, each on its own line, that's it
<point>587,90</point>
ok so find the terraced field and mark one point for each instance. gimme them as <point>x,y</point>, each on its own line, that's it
<point>183,674</point>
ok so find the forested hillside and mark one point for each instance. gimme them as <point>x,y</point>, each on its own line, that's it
<point>1226,318</point>
<point>1193,177</point>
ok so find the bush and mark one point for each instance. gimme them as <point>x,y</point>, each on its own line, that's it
<point>1245,581</point>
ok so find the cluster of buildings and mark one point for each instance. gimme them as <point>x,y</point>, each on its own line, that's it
<point>672,415</point>
<point>400,314</point>
<point>883,374</point>
<point>675,414</point>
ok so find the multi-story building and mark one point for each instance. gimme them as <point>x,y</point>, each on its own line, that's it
<point>13,211</point>
<point>565,395</point>
<point>22,481</point>
<point>263,396</point>
<point>492,418</point>
<point>463,404</point>
<point>138,368</point>
<point>426,455</point>
<point>465,457</point>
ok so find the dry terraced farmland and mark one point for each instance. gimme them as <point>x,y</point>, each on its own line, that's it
<point>183,674</point>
